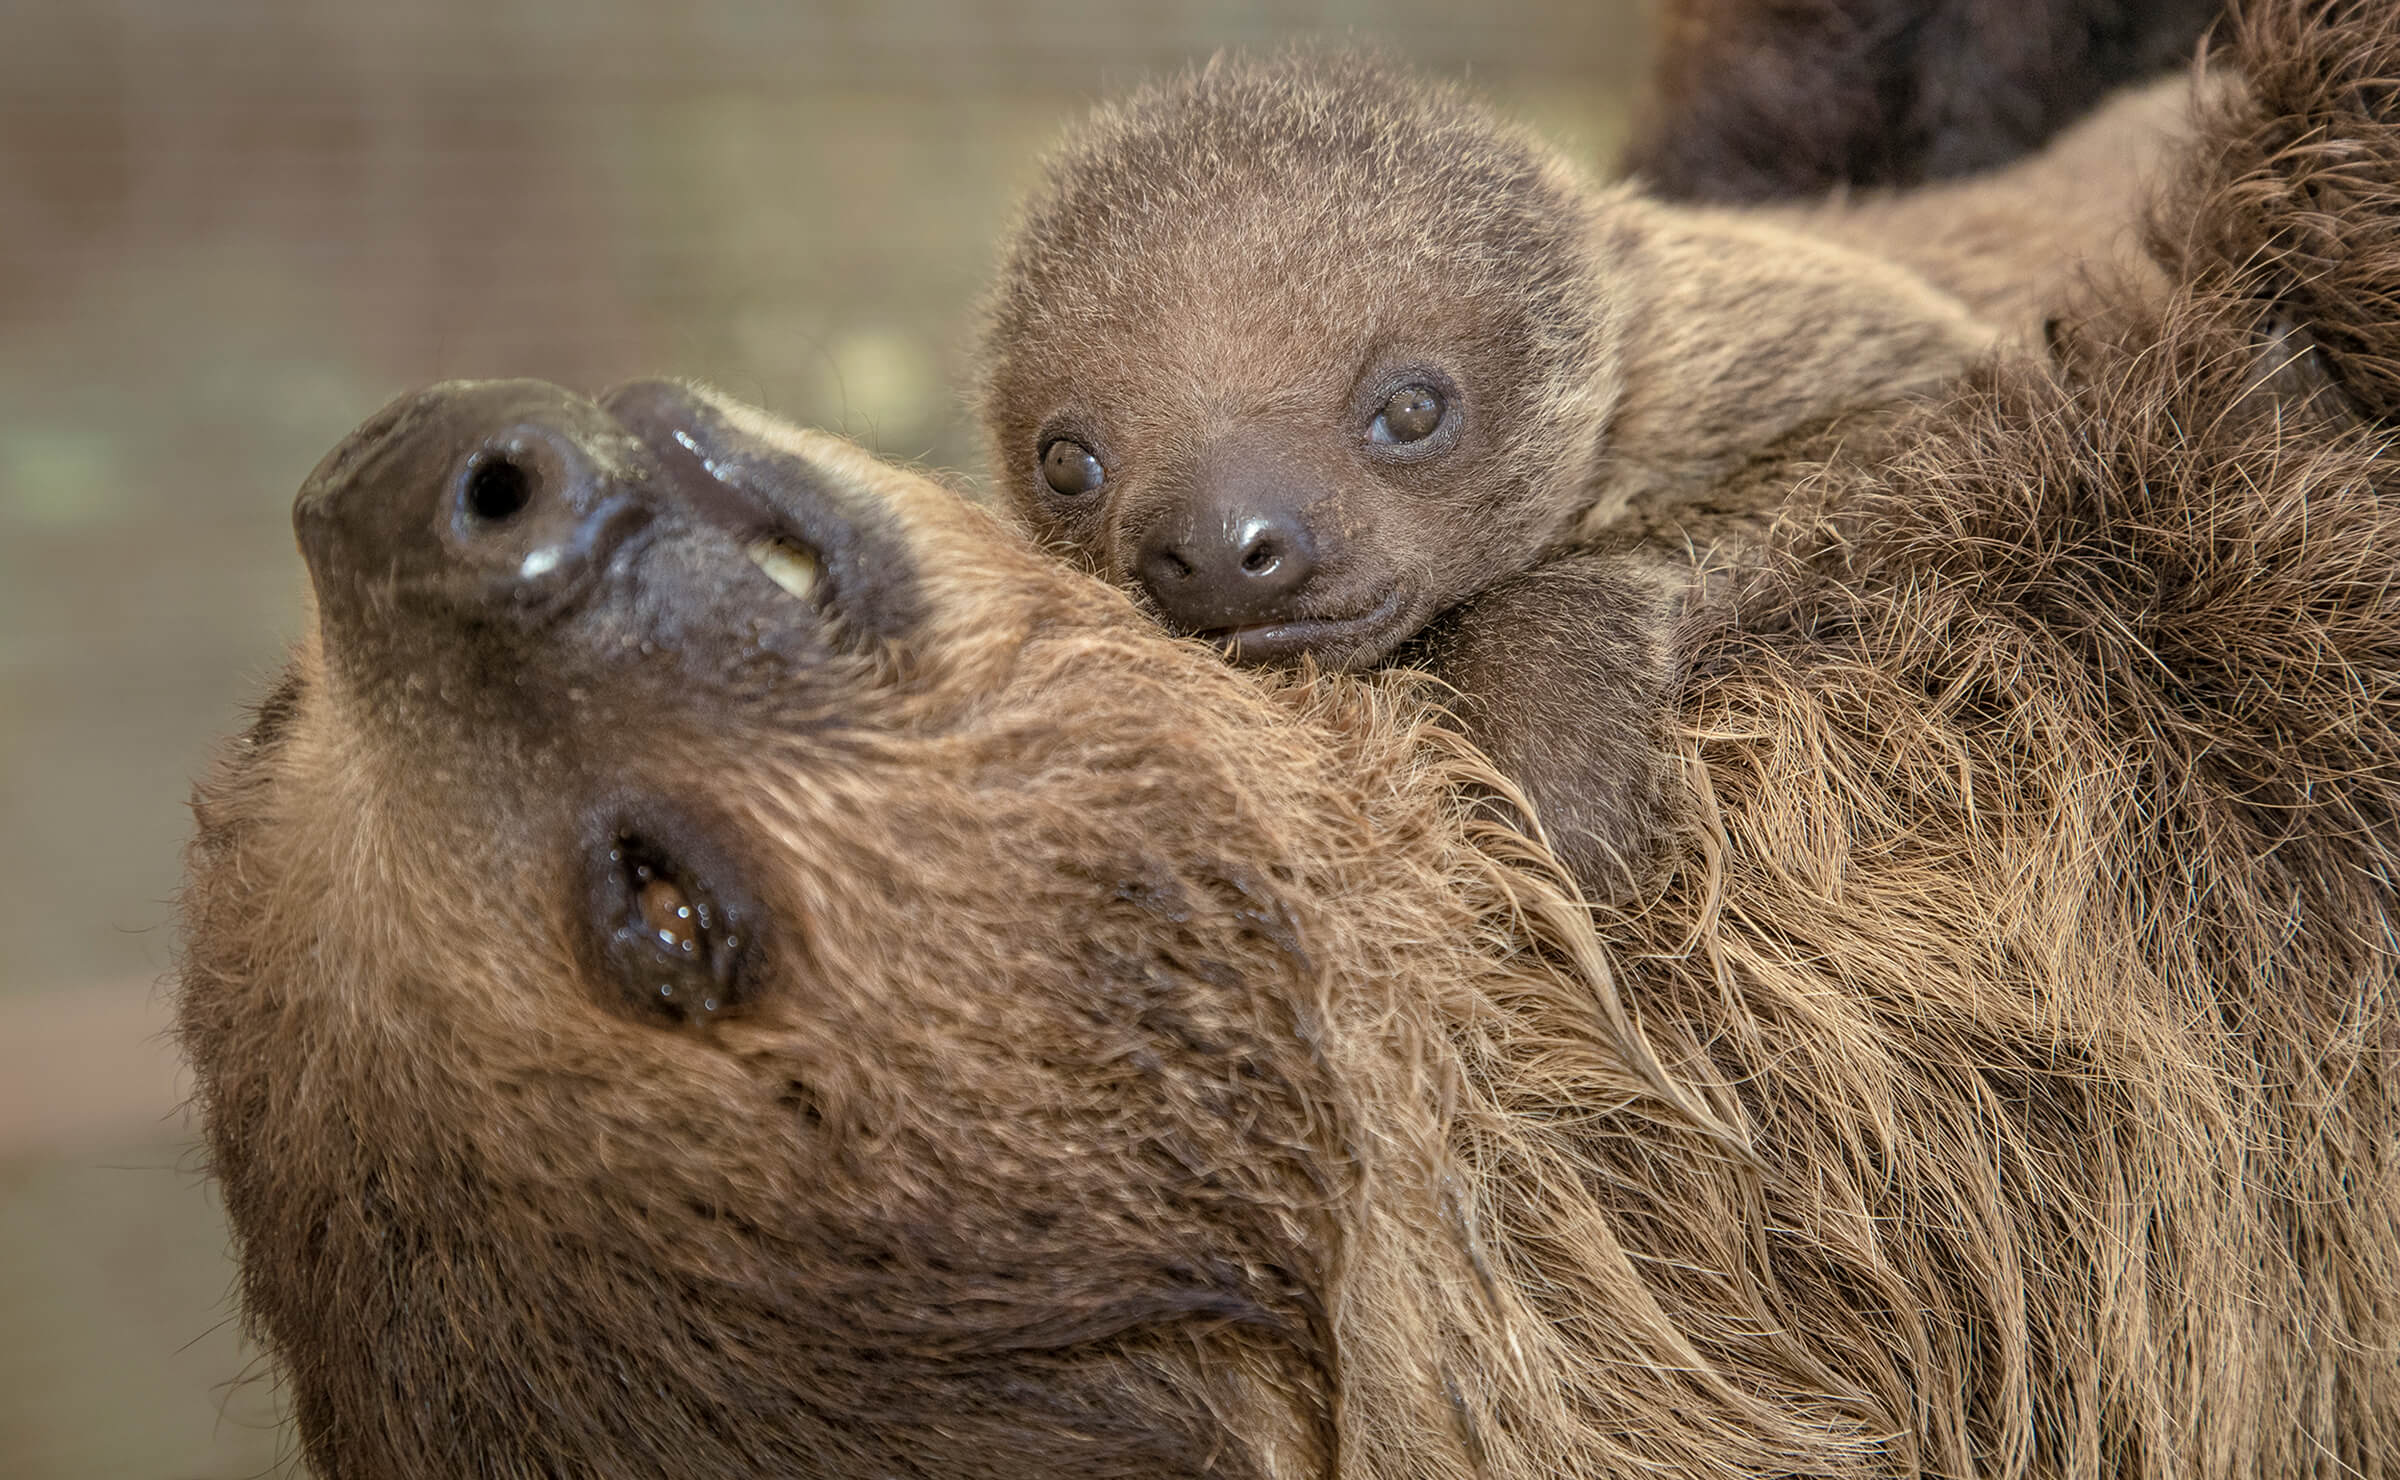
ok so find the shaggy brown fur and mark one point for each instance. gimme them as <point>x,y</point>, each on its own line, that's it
<point>1156,1068</point>
<point>1762,99</point>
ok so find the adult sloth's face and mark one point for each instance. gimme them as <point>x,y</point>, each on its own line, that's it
<point>716,959</point>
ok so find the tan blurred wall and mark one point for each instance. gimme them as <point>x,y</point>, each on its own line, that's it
<point>231,228</point>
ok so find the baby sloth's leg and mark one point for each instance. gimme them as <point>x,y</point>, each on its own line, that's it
<point>1566,676</point>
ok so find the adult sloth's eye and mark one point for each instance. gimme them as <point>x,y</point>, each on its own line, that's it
<point>1070,469</point>
<point>1413,413</point>
<point>673,948</point>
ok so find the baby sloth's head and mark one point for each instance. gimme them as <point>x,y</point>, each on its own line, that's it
<point>1303,351</point>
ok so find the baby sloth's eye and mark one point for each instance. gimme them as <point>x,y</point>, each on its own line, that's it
<point>1070,469</point>
<point>672,948</point>
<point>1412,414</point>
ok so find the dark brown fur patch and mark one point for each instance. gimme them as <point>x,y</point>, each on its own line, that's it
<point>1768,99</point>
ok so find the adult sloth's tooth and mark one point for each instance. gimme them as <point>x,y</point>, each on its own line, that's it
<point>792,566</point>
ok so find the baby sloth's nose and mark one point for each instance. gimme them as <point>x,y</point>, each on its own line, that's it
<point>489,497</point>
<point>1236,552</point>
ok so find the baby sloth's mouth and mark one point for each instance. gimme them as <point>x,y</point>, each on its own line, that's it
<point>1359,641</point>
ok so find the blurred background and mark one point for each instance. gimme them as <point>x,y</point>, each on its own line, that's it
<point>229,230</point>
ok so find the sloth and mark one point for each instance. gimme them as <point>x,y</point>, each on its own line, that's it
<point>718,959</point>
<point>1321,360</point>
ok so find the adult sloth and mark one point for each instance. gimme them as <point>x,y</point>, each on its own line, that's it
<point>716,961</point>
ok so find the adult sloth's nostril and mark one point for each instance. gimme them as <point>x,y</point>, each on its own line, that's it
<point>495,489</point>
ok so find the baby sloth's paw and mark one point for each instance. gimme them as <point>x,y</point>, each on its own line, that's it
<point>1565,676</point>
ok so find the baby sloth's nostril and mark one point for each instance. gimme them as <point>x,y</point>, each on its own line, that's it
<point>495,489</point>
<point>1261,557</point>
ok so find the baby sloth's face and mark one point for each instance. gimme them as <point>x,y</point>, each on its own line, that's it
<point>1279,486</point>
<point>1301,355</point>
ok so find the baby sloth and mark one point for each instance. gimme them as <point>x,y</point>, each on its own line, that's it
<point>1317,358</point>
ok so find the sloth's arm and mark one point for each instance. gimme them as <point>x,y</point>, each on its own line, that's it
<point>1740,331</point>
<point>1565,676</point>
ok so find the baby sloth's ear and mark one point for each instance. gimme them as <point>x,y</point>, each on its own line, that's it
<point>1739,331</point>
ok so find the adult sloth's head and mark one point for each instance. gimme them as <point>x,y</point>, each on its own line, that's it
<point>716,959</point>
